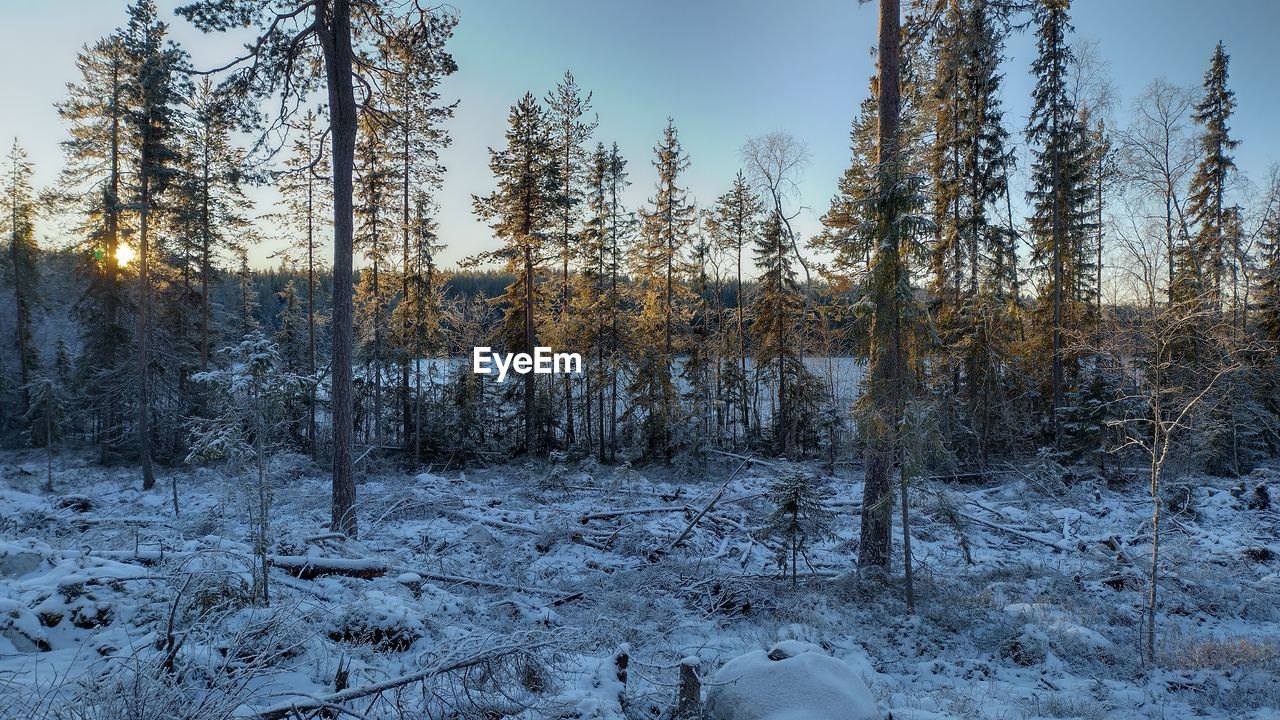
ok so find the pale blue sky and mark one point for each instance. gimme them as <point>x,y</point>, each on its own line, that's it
<point>724,70</point>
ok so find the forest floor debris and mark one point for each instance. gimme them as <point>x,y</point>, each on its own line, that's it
<point>1028,604</point>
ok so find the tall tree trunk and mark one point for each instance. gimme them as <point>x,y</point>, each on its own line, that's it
<point>311,313</point>
<point>205,260</point>
<point>335,39</point>
<point>377,339</point>
<point>1058,238</point>
<point>406,325</point>
<point>144,302</point>
<point>742,348</point>
<point>886,362</point>
<point>111,265</point>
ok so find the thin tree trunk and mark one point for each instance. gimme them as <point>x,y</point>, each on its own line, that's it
<point>311,313</point>
<point>144,302</point>
<point>205,260</point>
<point>110,263</point>
<point>405,325</point>
<point>377,337</point>
<point>1150,640</point>
<point>529,404</point>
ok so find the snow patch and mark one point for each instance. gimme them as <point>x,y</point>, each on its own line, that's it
<point>794,680</point>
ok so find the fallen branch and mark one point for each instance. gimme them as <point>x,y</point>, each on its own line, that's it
<point>606,514</point>
<point>1013,532</point>
<point>707,508</point>
<point>749,459</point>
<point>476,582</point>
<point>512,646</point>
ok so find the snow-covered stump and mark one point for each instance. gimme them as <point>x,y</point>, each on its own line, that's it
<point>792,681</point>
<point>621,660</point>
<point>689,693</point>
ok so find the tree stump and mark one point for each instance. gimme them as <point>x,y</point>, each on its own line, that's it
<point>689,694</point>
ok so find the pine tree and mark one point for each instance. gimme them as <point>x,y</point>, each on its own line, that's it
<point>374,195</point>
<point>153,94</point>
<point>568,110</point>
<point>735,224</point>
<point>306,193</point>
<point>415,62</point>
<point>99,156</point>
<point>1203,267</point>
<point>19,206</point>
<point>521,211</point>
<point>895,318</point>
<point>210,205</point>
<point>281,62</point>
<point>657,269</point>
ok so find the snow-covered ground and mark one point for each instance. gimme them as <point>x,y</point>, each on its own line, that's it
<point>521,586</point>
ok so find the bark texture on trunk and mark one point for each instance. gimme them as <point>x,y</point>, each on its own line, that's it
<point>886,335</point>
<point>335,39</point>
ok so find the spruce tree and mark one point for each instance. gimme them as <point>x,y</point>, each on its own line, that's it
<point>521,211</point>
<point>701,359</point>
<point>798,519</point>
<point>776,317</point>
<point>291,341</point>
<point>1059,194</point>
<point>598,298</point>
<point>1203,268</point>
<point>374,195</point>
<point>419,315</point>
<point>18,223</point>
<point>415,62</point>
<point>974,259</point>
<point>602,296</point>
<point>658,270</point>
